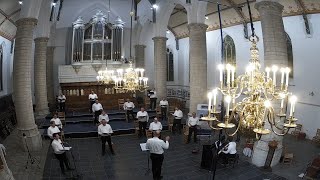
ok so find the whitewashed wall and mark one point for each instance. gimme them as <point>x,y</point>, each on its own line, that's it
<point>306,54</point>
<point>7,67</point>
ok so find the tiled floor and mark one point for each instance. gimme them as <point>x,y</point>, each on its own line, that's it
<point>130,163</point>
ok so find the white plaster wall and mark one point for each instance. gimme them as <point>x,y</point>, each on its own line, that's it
<point>306,53</point>
<point>7,67</point>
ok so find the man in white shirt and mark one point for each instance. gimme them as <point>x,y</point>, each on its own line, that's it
<point>60,152</point>
<point>104,116</point>
<point>96,109</point>
<point>128,107</point>
<point>92,99</point>
<point>164,106</point>
<point>57,121</point>
<point>230,151</point>
<point>193,122</point>
<point>153,99</point>
<point>156,146</point>
<point>178,115</point>
<point>52,129</point>
<point>155,125</point>
<point>143,119</point>
<point>105,131</point>
<point>62,102</point>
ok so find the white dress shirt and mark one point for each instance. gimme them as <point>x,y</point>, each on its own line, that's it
<point>193,121</point>
<point>105,117</point>
<point>58,147</point>
<point>96,107</point>
<point>128,106</point>
<point>93,97</point>
<point>51,130</point>
<point>156,145</point>
<point>62,98</point>
<point>178,114</point>
<point>104,130</point>
<point>232,148</point>
<point>153,94</point>
<point>155,126</point>
<point>57,122</point>
<point>164,103</point>
<point>142,116</point>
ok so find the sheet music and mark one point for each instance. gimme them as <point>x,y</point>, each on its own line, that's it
<point>143,147</point>
<point>67,148</point>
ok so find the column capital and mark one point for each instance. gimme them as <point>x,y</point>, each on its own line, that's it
<point>269,5</point>
<point>159,38</point>
<point>27,21</point>
<point>41,39</point>
<point>140,45</point>
<point>197,27</point>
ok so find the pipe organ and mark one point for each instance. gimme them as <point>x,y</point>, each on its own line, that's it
<point>97,40</point>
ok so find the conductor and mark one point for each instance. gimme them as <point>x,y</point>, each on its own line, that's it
<point>156,146</point>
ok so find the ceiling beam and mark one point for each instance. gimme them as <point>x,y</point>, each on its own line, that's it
<point>8,17</point>
<point>173,32</point>
<point>238,9</point>
<point>304,15</point>
<point>179,10</point>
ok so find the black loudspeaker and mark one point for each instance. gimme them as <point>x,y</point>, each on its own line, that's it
<point>207,155</point>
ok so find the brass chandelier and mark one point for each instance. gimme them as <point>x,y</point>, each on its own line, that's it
<point>256,89</point>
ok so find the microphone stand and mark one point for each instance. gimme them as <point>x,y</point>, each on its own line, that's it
<point>31,159</point>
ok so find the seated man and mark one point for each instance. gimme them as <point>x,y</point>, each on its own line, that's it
<point>193,121</point>
<point>52,129</point>
<point>104,116</point>
<point>60,152</point>
<point>229,151</point>
<point>57,121</point>
<point>143,119</point>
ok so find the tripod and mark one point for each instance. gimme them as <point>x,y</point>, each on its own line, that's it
<point>74,174</point>
<point>31,160</point>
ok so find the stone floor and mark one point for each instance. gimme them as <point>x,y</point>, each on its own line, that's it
<point>130,163</point>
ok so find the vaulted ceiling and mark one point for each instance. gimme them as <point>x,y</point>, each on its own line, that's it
<point>234,12</point>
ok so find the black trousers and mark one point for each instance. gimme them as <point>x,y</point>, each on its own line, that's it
<point>225,157</point>
<point>63,160</point>
<point>157,160</point>
<point>91,103</point>
<point>62,106</point>
<point>153,103</point>
<point>130,112</point>
<point>164,113</point>
<point>96,116</point>
<point>177,126</point>
<point>142,125</point>
<point>195,131</point>
<point>105,139</point>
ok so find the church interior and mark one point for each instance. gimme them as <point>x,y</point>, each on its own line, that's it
<point>159,89</point>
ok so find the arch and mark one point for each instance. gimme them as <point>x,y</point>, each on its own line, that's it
<point>290,54</point>
<point>1,66</point>
<point>229,56</point>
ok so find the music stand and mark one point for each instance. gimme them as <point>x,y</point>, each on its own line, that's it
<point>144,149</point>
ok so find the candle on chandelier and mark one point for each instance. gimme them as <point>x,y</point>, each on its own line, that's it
<point>287,76</point>
<point>268,72</point>
<point>214,93</point>
<point>220,67</point>
<point>228,68</point>
<point>228,100</point>
<point>282,76</point>
<point>274,70</point>
<point>209,103</point>
<point>141,71</point>
<point>293,100</point>
<point>233,69</point>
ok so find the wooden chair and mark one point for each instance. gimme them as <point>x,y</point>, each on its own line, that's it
<point>120,103</point>
<point>316,139</point>
<point>136,127</point>
<point>287,157</point>
<point>170,123</point>
<point>146,102</point>
<point>158,111</point>
<point>313,169</point>
<point>148,134</point>
<point>62,117</point>
<point>185,131</point>
<point>297,130</point>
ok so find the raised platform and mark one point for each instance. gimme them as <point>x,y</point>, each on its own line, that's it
<point>80,124</point>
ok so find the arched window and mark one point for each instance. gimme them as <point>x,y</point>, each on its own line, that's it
<point>170,66</point>
<point>290,54</point>
<point>1,64</point>
<point>229,51</point>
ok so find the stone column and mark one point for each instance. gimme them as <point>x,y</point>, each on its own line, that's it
<point>22,84</point>
<point>50,85</point>
<point>139,52</point>
<point>275,52</point>
<point>198,64</point>
<point>40,76</point>
<point>160,66</point>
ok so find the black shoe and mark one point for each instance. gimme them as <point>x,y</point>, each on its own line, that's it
<point>70,169</point>
<point>103,153</point>
<point>64,173</point>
